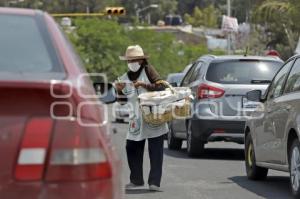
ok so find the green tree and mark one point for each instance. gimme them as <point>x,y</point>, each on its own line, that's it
<point>207,17</point>
<point>165,7</point>
<point>188,6</point>
<point>100,42</point>
<point>280,18</point>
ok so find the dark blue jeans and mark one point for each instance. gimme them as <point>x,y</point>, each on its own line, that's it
<point>135,155</point>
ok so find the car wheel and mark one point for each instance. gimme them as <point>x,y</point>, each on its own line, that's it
<point>120,120</point>
<point>194,147</point>
<point>173,143</point>
<point>294,160</point>
<point>254,172</point>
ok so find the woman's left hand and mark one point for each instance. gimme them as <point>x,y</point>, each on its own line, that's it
<point>138,84</point>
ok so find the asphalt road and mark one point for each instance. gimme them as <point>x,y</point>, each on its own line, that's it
<point>220,174</point>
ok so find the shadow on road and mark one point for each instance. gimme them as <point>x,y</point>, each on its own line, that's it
<point>274,187</point>
<point>138,191</point>
<point>210,154</point>
<point>115,122</point>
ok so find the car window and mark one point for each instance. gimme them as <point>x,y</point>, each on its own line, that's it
<point>187,77</point>
<point>293,82</point>
<point>187,68</point>
<point>174,78</point>
<point>195,72</point>
<point>26,47</point>
<point>242,71</point>
<point>276,87</point>
<point>178,78</point>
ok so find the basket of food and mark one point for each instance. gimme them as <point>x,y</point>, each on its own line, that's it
<point>181,109</point>
<point>163,106</point>
<point>156,117</point>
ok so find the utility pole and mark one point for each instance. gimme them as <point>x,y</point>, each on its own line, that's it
<point>229,8</point>
<point>138,11</point>
<point>229,33</point>
<point>149,18</point>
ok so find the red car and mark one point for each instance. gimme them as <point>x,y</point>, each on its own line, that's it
<point>54,141</point>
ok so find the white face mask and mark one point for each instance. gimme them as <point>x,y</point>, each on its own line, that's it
<point>134,67</point>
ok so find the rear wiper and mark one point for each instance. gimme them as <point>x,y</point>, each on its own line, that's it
<point>256,81</point>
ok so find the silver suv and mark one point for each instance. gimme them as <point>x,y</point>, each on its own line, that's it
<point>219,85</point>
<point>272,134</point>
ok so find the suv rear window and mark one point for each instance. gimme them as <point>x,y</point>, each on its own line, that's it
<point>26,47</point>
<point>242,71</point>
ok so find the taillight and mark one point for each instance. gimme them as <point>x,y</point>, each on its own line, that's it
<point>65,151</point>
<point>206,91</point>
<point>33,150</point>
<point>77,154</point>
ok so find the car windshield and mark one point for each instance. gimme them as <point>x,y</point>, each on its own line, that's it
<point>26,48</point>
<point>242,72</point>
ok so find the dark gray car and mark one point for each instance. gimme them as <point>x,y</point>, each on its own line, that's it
<point>272,133</point>
<point>219,85</point>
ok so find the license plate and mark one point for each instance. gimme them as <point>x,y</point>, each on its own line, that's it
<point>246,104</point>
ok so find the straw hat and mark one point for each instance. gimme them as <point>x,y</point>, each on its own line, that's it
<point>133,53</point>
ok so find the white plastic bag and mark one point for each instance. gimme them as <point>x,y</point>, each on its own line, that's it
<point>157,97</point>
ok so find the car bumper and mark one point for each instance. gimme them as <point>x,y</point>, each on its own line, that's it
<point>218,130</point>
<point>104,189</point>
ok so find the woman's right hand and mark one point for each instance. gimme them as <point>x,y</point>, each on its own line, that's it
<point>120,86</point>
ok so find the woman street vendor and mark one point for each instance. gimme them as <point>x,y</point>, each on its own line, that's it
<point>140,78</point>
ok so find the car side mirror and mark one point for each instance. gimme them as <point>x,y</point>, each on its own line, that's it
<point>106,91</point>
<point>254,95</point>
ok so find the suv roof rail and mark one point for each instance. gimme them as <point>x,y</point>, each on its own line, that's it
<point>209,55</point>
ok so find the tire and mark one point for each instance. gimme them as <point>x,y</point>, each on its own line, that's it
<point>195,148</point>
<point>294,161</point>
<point>173,143</point>
<point>119,120</point>
<point>253,172</point>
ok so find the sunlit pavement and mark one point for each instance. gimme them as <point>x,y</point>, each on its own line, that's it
<point>220,174</point>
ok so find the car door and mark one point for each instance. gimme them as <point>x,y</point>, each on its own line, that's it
<point>267,142</point>
<point>179,126</point>
<point>287,104</point>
